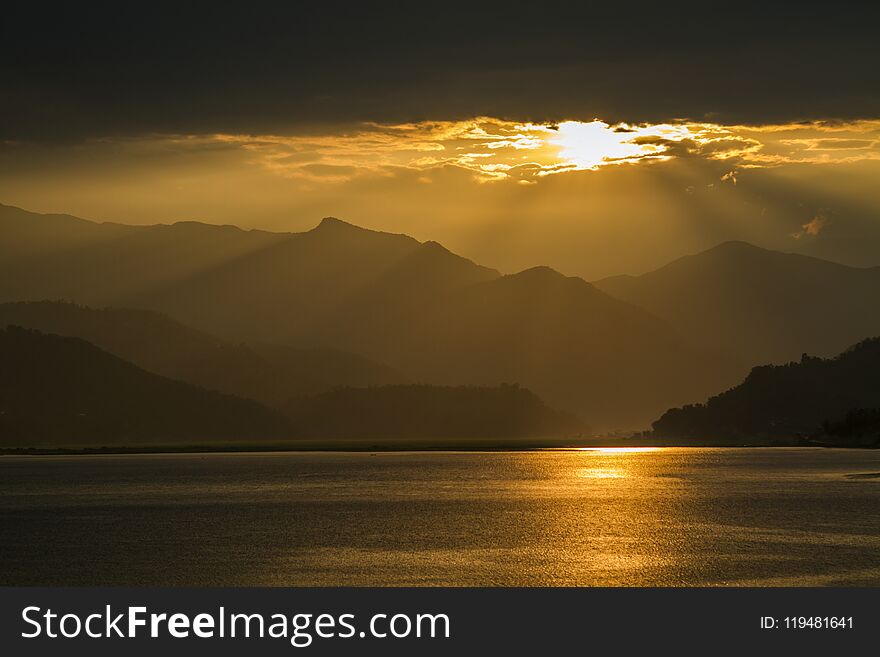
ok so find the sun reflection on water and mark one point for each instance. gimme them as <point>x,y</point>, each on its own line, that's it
<point>609,467</point>
<point>620,450</point>
<point>601,473</point>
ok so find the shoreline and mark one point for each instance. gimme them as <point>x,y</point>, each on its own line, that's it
<point>392,446</point>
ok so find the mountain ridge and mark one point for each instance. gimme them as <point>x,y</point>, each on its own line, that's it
<point>58,391</point>
<point>436,317</point>
<point>762,305</point>
<point>162,345</point>
<point>785,402</point>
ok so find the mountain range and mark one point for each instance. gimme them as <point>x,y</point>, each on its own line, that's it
<point>57,390</point>
<point>617,352</point>
<point>61,392</point>
<point>759,305</point>
<point>422,412</point>
<point>272,374</point>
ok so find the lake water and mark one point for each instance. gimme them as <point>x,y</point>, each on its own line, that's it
<point>665,517</point>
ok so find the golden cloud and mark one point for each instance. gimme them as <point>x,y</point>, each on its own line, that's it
<point>812,228</point>
<point>494,150</point>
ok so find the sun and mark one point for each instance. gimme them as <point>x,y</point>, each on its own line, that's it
<point>590,145</point>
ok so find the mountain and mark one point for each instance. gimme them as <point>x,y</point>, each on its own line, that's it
<point>418,412</point>
<point>786,401</point>
<point>303,286</point>
<point>59,391</point>
<point>63,257</point>
<point>577,347</point>
<point>311,370</point>
<point>430,314</point>
<point>241,285</point>
<point>763,306</point>
<point>860,426</point>
<point>161,345</point>
<point>402,303</point>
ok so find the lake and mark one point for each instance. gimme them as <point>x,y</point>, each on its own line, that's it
<point>604,517</point>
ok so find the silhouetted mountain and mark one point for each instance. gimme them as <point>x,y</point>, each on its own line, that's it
<point>98,264</point>
<point>574,345</point>
<point>860,426</point>
<point>163,346</point>
<point>59,391</point>
<point>384,314</point>
<point>289,292</point>
<point>784,401</point>
<point>432,315</point>
<point>423,412</point>
<point>762,305</point>
<point>310,370</point>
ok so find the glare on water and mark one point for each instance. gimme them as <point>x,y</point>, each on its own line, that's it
<point>609,517</point>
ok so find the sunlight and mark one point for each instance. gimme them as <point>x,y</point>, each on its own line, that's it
<point>601,473</point>
<point>603,467</point>
<point>589,145</point>
<point>621,450</point>
<point>495,150</point>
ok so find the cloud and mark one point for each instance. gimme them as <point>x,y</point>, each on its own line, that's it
<point>841,144</point>
<point>88,71</point>
<point>484,149</point>
<point>495,150</point>
<point>812,228</point>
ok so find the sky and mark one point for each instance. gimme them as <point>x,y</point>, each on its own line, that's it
<point>595,138</point>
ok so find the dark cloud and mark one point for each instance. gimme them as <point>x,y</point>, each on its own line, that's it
<point>91,69</point>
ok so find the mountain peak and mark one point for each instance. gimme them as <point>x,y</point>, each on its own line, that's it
<point>333,223</point>
<point>547,278</point>
<point>336,226</point>
<point>733,247</point>
<point>737,244</point>
<point>337,231</point>
<point>745,254</point>
<point>539,273</point>
<point>193,226</point>
<point>432,246</point>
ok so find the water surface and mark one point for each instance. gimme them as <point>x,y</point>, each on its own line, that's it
<point>663,517</point>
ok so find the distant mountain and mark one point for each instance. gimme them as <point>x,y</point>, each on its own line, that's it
<point>159,344</point>
<point>802,398</point>
<point>577,347</point>
<point>428,313</point>
<point>421,412</point>
<point>290,293</point>
<point>402,305</point>
<point>61,392</point>
<point>310,370</point>
<point>58,392</point>
<point>63,257</point>
<point>763,306</point>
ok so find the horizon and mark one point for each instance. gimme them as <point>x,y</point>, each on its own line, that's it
<point>813,192</point>
<point>428,240</point>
